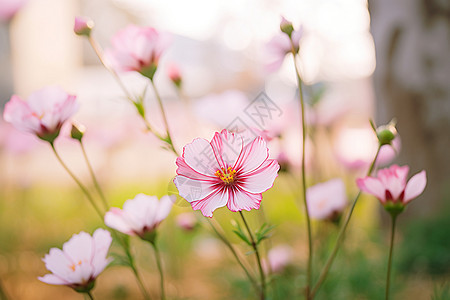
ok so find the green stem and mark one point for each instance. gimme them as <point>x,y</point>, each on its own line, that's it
<point>135,272</point>
<point>91,200</point>
<point>94,178</point>
<point>160,269</point>
<point>308,220</point>
<point>169,139</point>
<point>82,187</point>
<point>98,50</point>
<point>236,256</point>
<point>391,250</point>
<point>340,236</point>
<point>90,295</point>
<point>2,292</point>
<point>258,258</point>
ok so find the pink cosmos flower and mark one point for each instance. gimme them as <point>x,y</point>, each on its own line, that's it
<point>326,200</point>
<point>138,49</point>
<point>279,258</point>
<point>83,26</point>
<point>225,171</point>
<point>80,261</point>
<point>139,216</point>
<point>186,221</point>
<point>43,113</point>
<point>390,186</point>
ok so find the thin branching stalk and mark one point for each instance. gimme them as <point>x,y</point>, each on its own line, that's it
<point>91,200</point>
<point>82,187</point>
<point>258,258</point>
<point>236,256</point>
<point>308,220</point>
<point>391,250</point>
<point>169,139</point>
<point>160,270</point>
<point>340,236</point>
<point>134,269</point>
<point>94,178</point>
<point>98,50</point>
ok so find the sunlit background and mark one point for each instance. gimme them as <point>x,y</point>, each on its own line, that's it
<point>221,49</point>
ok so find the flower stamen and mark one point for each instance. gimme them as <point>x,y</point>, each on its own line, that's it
<point>226,175</point>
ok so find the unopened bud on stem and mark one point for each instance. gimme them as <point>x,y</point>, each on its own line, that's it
<point>83,26</point>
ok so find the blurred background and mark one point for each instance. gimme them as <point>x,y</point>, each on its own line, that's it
<point>360,59</point>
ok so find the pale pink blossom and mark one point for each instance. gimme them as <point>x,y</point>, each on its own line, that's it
<point>9,8</point>
<point>326,200</point>
<point>83,26</point>
<point>225,171</point>
<point>80,261</point>
<point>138,49</point>
<point>140,215</point>
<point>43,113</point>
<point>390,185</point>
<point>279,258</point>
<point>186,221</point>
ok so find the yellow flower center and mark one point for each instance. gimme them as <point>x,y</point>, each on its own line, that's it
<point>74,266</point>
<point>34,114</point>
<point>227,176</point>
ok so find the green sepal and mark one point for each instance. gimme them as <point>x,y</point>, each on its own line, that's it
<point>49,136</point>
<point>394,208</point>
<point>149,71</point>
<point>149,236</point>
<point>85,288</point>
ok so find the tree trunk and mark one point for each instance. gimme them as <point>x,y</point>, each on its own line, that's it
<point>412,84</point>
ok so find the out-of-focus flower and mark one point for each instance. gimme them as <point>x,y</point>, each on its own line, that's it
<point>279,258</point>
<point>355,147</point>
<point>79,262</point>
<point>279,46</point>
<point>83,26</point>
<point>389,152</point>
<point>139,216</point>
<point>138,49</point>
<point>326,200</point>
<point>174,74</point>
<point>43,113</point>
<point>391,188</point>
<point>186,221</point>
<point>221,109</point>
<point>225,171</point>
<point>9,8</point>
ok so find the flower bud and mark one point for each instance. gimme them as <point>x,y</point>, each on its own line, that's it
<point>386,133</point>
<point>83,26</point>
<point>174,74</point>
<point>77,131</point>
<point>286,26</point>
